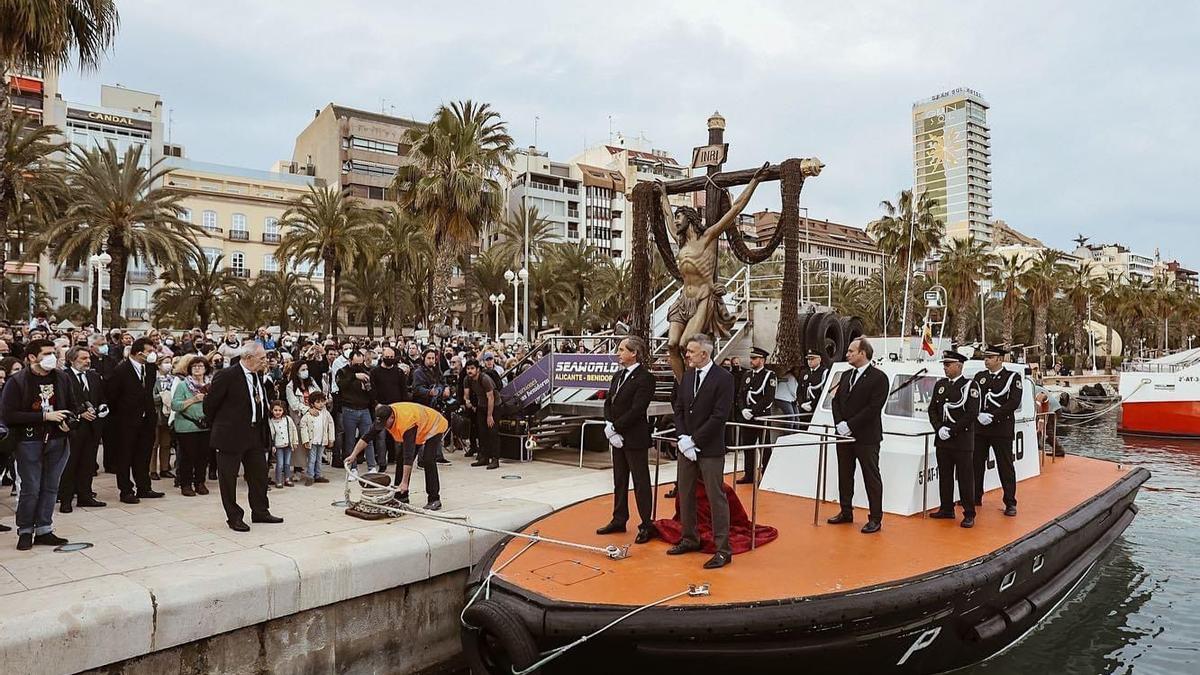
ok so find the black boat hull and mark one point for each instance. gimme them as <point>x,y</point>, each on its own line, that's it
<point>945,620</point>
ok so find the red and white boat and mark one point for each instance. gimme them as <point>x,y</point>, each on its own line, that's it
<point>1161,397</point>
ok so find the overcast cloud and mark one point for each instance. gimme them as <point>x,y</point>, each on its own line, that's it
<point>1093,119</point>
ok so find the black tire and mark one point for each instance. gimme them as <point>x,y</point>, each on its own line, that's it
<point>499,642</point>
<point>824,333</point>
<point>852,329</point>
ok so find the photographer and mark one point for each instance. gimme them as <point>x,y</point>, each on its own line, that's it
<point>84,439</point>
<point>39,406</point>
<point>430,389</point>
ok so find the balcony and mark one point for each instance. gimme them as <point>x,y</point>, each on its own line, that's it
<point>240,272</point>
<point>140,276</point>
<point>71,275</point>
<point>271,238</point>
<point>573,213</point>
<point>212,230</point>
<point>138,314</point>
<point>239,235</point>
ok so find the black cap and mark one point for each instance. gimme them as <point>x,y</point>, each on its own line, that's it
<point>814,352</point>
<point>994,350</point>
<point>760,352</point>
<point>951,355</point>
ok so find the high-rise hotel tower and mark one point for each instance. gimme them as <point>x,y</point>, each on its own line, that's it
<point>952,161</point>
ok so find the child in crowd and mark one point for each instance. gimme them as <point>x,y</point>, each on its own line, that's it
<point>316,434</point>
<point>283,439</point>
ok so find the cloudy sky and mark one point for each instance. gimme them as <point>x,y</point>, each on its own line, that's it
<point>1094,116</point>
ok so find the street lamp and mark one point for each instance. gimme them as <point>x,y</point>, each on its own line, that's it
<point>99,262</point>
<point>1053,351</point>
<point>497,300</point>
<point>1190,338</point>
<point>515,279</point>
<point>523,277</point>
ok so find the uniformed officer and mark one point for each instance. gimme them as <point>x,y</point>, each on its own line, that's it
<point>1000,396</point>
<point>952,413</point>
<point>757,395</point>
<point>811,386</point>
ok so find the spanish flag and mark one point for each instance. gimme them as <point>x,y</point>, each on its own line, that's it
<point>927,341</point>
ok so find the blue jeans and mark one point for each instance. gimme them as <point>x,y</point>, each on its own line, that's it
<point>356,422</point>
<point>314,460</point>
<point>39,468</point>
<point>283,464</point>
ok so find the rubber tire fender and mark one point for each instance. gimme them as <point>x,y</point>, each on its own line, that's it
<point>852,328</point>
<point>502,623</point>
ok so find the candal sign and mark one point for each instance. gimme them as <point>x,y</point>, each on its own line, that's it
<point>108,118</point>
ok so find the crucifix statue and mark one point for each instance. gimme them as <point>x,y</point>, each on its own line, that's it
<point>700,307</point>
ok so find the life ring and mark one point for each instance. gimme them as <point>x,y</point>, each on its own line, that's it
<point>495,641</point>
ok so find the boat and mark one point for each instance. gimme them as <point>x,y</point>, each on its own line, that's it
<point>922,596</point>
<point>1161,397</point>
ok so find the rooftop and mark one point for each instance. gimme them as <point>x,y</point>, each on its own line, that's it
<point>189,165</point>
<point>345,111</point>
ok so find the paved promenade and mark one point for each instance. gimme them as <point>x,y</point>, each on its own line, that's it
<point>169,571</point>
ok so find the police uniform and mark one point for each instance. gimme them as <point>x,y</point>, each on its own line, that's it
<point>756,395</point>
<point>953,410</point>
<point>1000,397</point>
<point>812,383</point>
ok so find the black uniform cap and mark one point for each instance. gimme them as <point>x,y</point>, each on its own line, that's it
<point>994,350</point>
<point>760,352</point>
<point>813,352</point>
<point>951,355</point>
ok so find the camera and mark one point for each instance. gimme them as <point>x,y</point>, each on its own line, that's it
<point>71,420</point>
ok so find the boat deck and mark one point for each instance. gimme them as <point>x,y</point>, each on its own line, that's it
<point>805,560</point>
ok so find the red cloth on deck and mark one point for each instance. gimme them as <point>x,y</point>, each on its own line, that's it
<point>671,530</point>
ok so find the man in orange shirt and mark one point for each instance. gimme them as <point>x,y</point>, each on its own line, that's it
<point>421,429</point>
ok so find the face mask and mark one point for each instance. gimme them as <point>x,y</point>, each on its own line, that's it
<point>218,364</point>
<point>103,349</point>
<point>151,357</point>
<point>390,361</point>
<point>304,373</point>
<point>287,343</point>
<point>346,353</point>
<point>231,342</point>
<point>48,362</point>
<point>125,352</point>
<point>170,342</point>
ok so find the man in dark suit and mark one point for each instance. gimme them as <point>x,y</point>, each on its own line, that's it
<point>130,394</point>
<point>703,401</point>
<point>76,480</point>
<point>628,432</point>
<point>755,398</point>
<point>953,409</point>
<point>238,408</point>
<point>857,407</point>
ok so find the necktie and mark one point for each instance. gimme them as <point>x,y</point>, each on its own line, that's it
<point>854,380</point>
<point>257,398</point>
<point>82,382</point>
<point>621,381</point>
<point>699,378</point>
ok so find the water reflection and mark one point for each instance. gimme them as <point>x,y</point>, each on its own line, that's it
<point>1135,612</point>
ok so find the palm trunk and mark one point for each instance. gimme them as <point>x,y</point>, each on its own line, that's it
<point>1080,351</point>
<point>1039,332</point>
<point>334,313</point>
<point>205,314</point>
<point>1010,317</point>
<point>439,292</point>
<point>1108,333</point>
<point>330,306</point>
<point>397,305</point>
<point>961,323</point>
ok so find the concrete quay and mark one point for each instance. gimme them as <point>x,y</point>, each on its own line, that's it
<point>168,587</point>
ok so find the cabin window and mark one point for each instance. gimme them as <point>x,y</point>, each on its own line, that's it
<point>910,397</point>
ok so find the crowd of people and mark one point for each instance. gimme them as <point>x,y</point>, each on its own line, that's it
<point>76,404</point>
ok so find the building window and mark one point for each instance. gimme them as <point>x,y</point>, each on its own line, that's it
<point>370,145</point>
<point>70,295</point>
<point>210,220</point>
<point>185,215</point>
<point>271,226</point>
<point>238,224</point>
<point>269,264</point>
<point>368,168</point>
<point>212,254</point>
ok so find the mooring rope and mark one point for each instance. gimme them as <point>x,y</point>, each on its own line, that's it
<point>693,590</point>
<point>485,586</point>
<point>1081,419</point>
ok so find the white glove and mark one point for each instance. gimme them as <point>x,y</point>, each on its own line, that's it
<point>843,429</point>
<point>806,407</point>
<point>609,430</point>
<point>690,452</point>
<point>747,414</point>
<point>686,443</point>
<point>944,434</point>
<point>985,418</point>
<point>102,412</point>
<point>617,440</point>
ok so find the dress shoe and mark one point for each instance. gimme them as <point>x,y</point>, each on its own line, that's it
<point>308,481</point>
<point>154,476</point>
<point>479,462</point>
<point>166,474</point>
<point>238,525</point>
<point>212,474</point>
<point>402,496</point>
<point>90,502</point>
<point>5,528</point>
<point>320,479</point>
<point>25,541</point>
<point>65,507</point>
<point>671,493</point>
<point>265,518</point>
<point>129,499</point>
<point>872,527</point>
<point>495,464</point>
<point>187,491</point>
<point>201,489</point>
<point>1010,511</point>
<point>745,480</point>
<point>611,528</point>
<point>469,453</point>
<point>684,546</point>
<point>645,534</point>
<point>717,561</point>
<point>840,518</point>
<point>443,460</point>
<point>967,521</point>
<point>151,494</point>
<point>942,514</point>
<point>49,539</point>
<point>435,505</point>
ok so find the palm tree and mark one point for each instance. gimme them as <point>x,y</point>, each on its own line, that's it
<point>366,288</point>
<point>1081,287</point>
<point>118,205</point>
<point>327,226</point>
<point>484,278</point>
<point>1006,274</point>
<point>908,231</point>
<point>16,295</point>
<point>1110,304</point>
<point>848,296</point>
<point>575,264</point>
<point>548,292</point>
<point>48,34</point>
<point>964,264</point>
<point>407,253</point>
<point>610,293</point>
<point>511,247</point>
<point>193,291</point>
<point>1042,278</point>
<point>290,294</point>
<point>245,306</point>
<point>30,179</point>
<point>451,184</point>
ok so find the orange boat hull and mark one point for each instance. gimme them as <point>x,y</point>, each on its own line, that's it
<point>1161,418</point>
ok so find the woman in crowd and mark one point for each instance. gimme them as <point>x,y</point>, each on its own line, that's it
<point>190,425</point>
